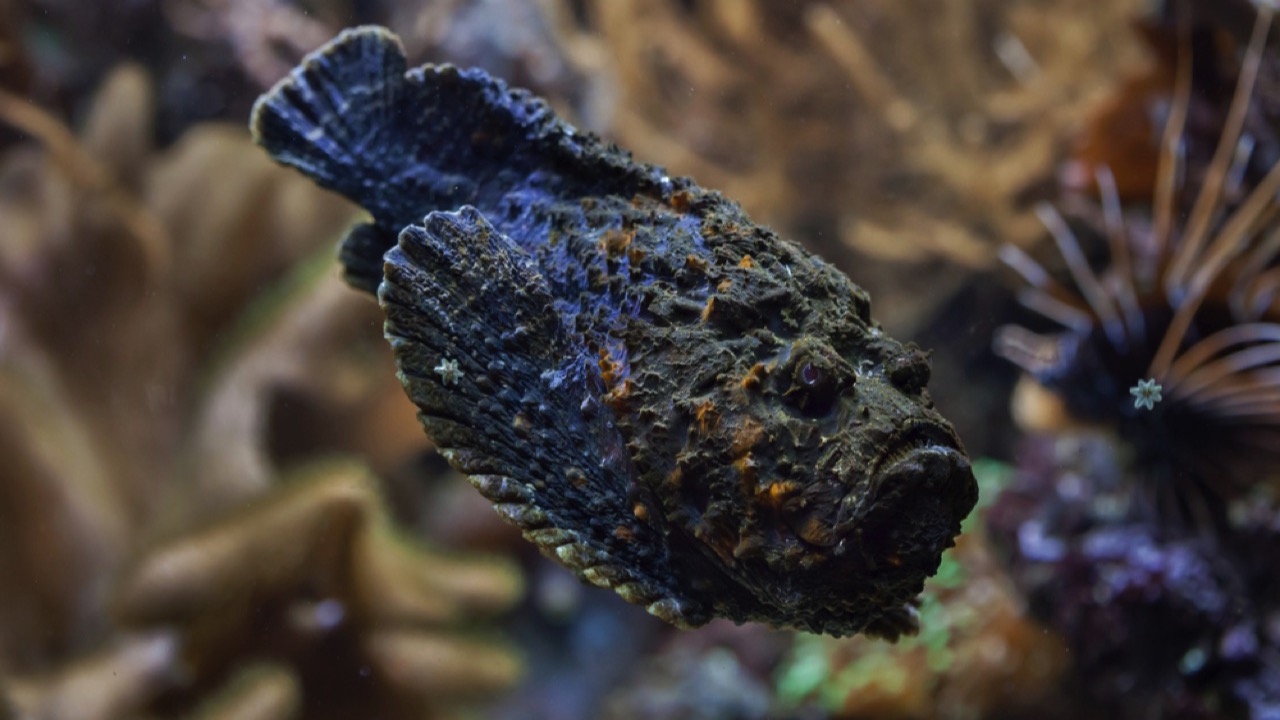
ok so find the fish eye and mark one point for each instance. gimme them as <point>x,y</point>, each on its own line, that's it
<point>812,375</point>
<point>812,387</point>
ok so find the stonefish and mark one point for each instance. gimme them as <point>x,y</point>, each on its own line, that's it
<point>666,397</point>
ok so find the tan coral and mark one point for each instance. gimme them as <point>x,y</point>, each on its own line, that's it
<point>173,337</point>
<point>915,141</point>
<point>195,609</point>
<point>267,36</point>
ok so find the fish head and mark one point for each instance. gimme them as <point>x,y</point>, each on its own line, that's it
<point>819,481</point>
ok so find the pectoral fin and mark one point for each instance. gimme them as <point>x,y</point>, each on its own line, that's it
<point>510,397</point>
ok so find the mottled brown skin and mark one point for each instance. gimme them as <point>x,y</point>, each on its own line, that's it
<point>664,396</point>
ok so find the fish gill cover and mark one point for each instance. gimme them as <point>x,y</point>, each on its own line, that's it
<point>669,399</point>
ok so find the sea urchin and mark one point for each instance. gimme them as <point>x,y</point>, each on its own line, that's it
<point>1183,312</point>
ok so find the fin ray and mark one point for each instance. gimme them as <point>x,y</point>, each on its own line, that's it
<point>502,391</point>
<point>404,143</point>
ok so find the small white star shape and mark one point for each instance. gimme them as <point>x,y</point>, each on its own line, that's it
<point>1146,394</point>
<point>448,371</point>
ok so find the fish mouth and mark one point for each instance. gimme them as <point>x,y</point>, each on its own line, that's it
<point>923,487</point>
<point>917,436</point>
<point>933,470</point>
<point>923,462</point>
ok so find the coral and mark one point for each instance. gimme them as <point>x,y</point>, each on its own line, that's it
<point>686,685</point>
<point>345,617</point>
<point>1159,625</point>
<point>886,157</point>
<point>174,351</point>
<point>266,36</point>
<point>978,654</point>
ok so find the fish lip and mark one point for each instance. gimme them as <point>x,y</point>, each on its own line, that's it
<point>914,436</point>
<point>917,447</point>
<point>920,490</point>
<point>927,458</point>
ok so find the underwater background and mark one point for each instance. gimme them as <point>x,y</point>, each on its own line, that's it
<point>215,500</point>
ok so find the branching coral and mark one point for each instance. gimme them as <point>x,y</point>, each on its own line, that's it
<point>345,616</point>
<point>267,36</point>
<point>171,343</point>
<point>835,119</point>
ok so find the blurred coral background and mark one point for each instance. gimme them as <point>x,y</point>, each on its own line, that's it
<point>215,500</point>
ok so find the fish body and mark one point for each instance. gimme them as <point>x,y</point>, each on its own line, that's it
<point>664,396</point>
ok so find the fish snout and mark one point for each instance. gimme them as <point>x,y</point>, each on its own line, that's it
<point>923,488</point>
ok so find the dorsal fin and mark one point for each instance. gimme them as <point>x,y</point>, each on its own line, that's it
<point>404,143</point>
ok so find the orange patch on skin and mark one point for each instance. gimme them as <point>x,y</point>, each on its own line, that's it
<point>720,542</point>
<point>681,201</point>
<point>624,533</point>
<point>746,262</point>
<point>616,242</point>
<point>640,511</point>
<point>617,397</point>
<point>706,416</point>
<point>709,308</point>
<point>746,467</point>
<point>635,255</point>
<point>817,532</point>
<point>724,285</point>
<point>608,368</point>
<point>746,436</point>
<point>754,377</point>
<point>748,546</point>
<point>780,491</point>
<point>696,264</point>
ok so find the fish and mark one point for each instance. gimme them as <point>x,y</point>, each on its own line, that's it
<point>665,397</point>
